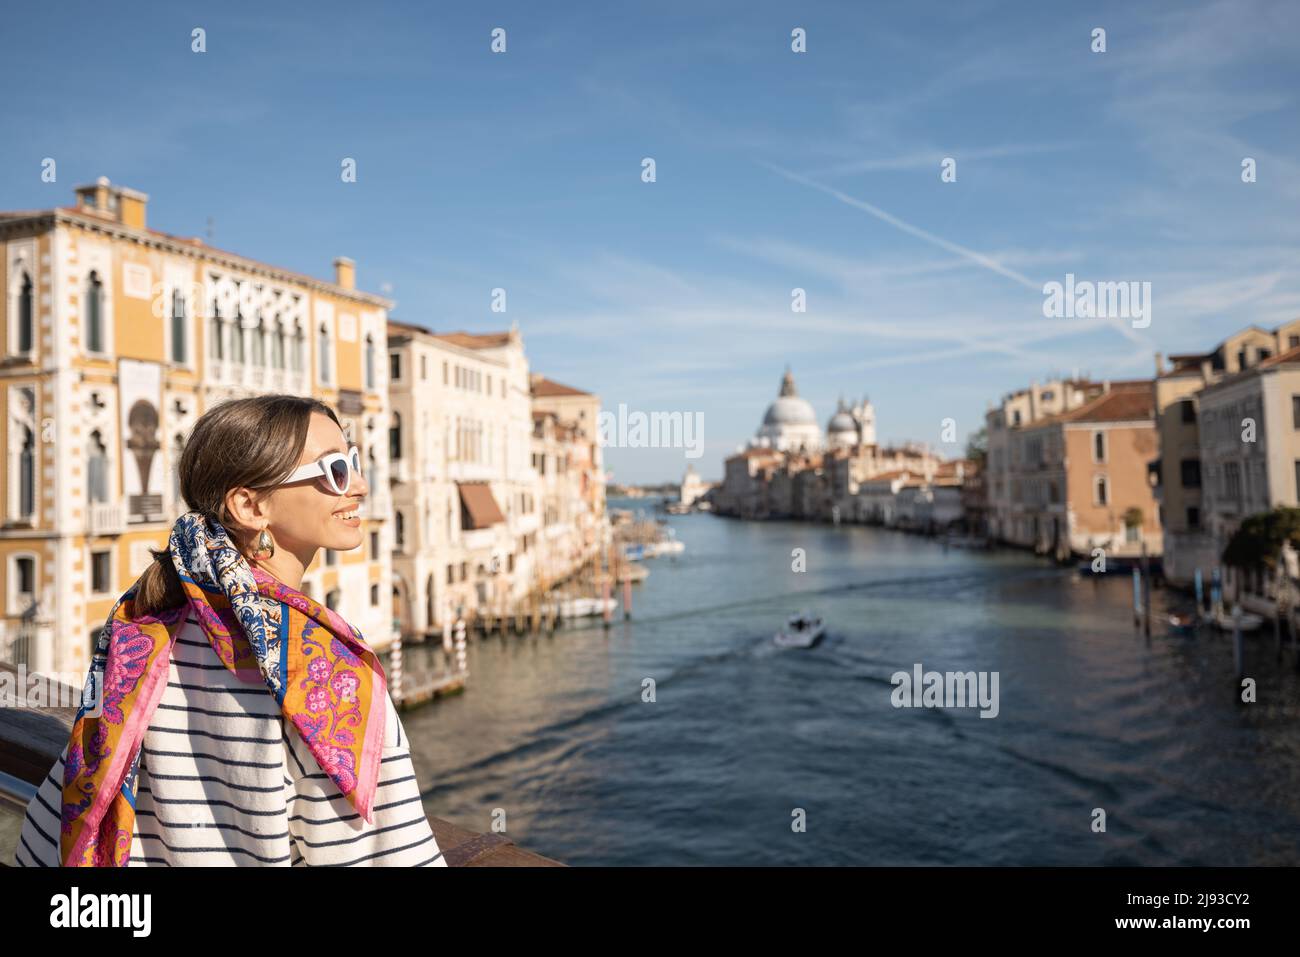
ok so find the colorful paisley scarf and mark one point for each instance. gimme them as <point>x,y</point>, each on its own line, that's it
<point>326,679</point>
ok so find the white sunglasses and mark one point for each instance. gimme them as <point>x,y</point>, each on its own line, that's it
<point>337,467</point>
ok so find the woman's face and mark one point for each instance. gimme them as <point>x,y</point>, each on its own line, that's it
<point>308,514</point>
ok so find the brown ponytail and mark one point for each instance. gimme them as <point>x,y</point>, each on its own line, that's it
<point>242,443</point>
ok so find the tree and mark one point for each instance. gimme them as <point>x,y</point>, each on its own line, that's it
<point>977,446</point>
<point>1133,517</point>
<point>1258,541</point>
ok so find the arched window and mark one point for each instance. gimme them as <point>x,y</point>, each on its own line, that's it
<point>237,338</point>
<point>27,474</point>
<point>277,345</point>
<point>94,313</point>
<point>217,345</point>
<point>97,469</point>
<point>324,354</point>
<point>332,599</point>
<point>26,331</point>
<point>395,437</point>
<point>399,529</point>
<point>178,327</point>
<point>298,347</point>
<point>370,362</point>
<point>372,469</point>
<point>259,343</point>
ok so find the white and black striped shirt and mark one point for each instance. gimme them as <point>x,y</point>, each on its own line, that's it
<point>224,782</point>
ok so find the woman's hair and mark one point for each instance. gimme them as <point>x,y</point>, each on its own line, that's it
<point>253,443</point>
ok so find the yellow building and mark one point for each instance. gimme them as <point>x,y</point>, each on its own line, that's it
<point>117,337</point>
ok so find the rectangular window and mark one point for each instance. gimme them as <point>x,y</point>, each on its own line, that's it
<point>444,373</point>
<point>1099,446</point>
<point>1292,342</point>
<point>1102,490</point>
<point>1189,410</point>
<point>26,568</point>
<point>374,595</point>
<point>1194,516</point>
<point>374,545</point>
<point>1191,473</point>
<point>451,574</point>
<point>331,556</point>
<point>424,367</point>
<point>100,580</point>
<point>1295,411</point>
<point>394,365</point>
<point>1232,482</point>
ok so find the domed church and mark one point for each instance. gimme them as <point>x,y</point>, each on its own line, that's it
<point>851,427</point>
<point>790,424</point>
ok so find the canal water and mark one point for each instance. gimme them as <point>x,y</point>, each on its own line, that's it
<point>742,738</point>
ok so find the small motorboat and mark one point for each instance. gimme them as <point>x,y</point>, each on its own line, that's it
<point>581,607</point>
<point>1225,621</point>
<point>1182,623</point>
<point>801,631</point>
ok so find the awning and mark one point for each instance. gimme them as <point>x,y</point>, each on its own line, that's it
<point>478,505</point>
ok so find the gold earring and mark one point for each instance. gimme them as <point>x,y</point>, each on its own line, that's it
<point>264,544</point>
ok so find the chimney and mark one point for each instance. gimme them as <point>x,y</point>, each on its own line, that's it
<point>1160,363</point>
<point>345,273</point>
<point>123,205</point>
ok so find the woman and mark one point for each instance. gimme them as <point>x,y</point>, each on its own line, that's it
<point>229,719</point>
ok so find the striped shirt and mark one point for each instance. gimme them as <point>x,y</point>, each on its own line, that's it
<point>223,781</point>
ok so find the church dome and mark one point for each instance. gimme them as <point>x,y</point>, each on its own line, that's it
<point>790,410</point>
<point>790,423</point>
<point>841,422</point>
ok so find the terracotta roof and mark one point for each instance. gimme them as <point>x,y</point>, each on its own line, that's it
<point>475,340</point>
<point>1282,358</point>
<point>543,386</point>
<point>407,326</point>
<point>1124,404</point>
<point>1291,355</point>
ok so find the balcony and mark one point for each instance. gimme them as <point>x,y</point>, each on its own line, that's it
<point>106,518</point>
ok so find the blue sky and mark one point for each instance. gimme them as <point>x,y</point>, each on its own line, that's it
<point>775,170</point>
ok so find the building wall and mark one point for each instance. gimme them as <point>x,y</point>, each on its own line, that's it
<point>79,394</point>
<point>1129,447</point>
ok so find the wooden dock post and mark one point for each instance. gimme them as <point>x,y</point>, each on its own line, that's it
<point>1237,651</point>
<point>461,658</point>
<point>1146,575</point>
<point>1137,598</point>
